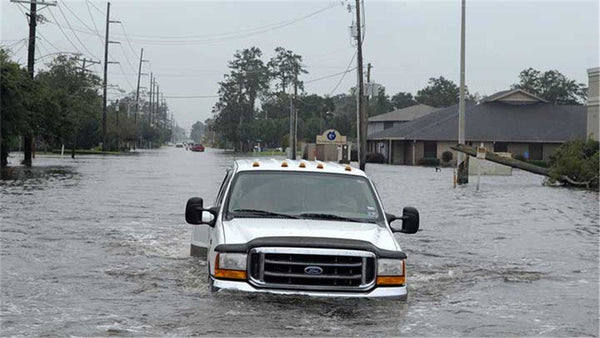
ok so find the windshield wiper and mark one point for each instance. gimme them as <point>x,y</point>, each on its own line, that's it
<point>263,213</point>
<point>330,216</point>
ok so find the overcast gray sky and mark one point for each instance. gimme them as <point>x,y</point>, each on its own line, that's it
<point>189,43</point>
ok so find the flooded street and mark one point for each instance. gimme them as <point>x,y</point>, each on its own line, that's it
<point>99,246</point>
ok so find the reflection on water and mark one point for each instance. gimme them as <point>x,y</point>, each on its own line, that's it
<point>98,246</point>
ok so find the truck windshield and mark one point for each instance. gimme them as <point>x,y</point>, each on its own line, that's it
<point>303,195</point>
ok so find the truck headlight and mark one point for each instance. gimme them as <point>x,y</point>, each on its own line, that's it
<point>230,265</point>
<point>391,272</point>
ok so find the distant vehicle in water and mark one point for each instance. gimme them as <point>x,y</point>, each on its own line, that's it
<point>197,147</point>
<point>179,145</point>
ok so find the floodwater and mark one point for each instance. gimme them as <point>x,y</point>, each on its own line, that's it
<point>98,246</point>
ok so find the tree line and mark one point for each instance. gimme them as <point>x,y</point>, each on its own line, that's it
<point>239,121</point>
<point>62,105</point>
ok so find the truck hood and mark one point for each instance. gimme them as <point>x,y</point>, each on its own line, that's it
<point>243,230</point>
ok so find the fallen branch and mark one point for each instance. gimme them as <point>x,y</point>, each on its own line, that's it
<point>569,180</point>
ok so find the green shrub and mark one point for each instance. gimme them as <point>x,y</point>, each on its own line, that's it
<point>539,163</point>
<point>578,160</point>
<point>375,158</point>
<point>429,161</point>
<point>447,156</point>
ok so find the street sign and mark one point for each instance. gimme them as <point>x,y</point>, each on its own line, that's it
<point>331,136</point>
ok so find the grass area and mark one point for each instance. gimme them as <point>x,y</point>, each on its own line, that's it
<point>81,152</point>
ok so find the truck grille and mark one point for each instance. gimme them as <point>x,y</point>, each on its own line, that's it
<point>311,269</point>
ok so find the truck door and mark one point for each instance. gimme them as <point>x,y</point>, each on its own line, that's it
<point>201,233</point>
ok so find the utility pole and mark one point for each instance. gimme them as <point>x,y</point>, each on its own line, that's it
<point>462,160</point>
<point>157,109</point>
<point>137,91</point>
<point>104,82</point>
<point>84,64</point>
<point>292,152</point>
<point>117,108</point>
<point>295,113</point>
<point>369,87</point>
<point>361,116</point>
<point>83,70</point>
<point>28,135</point>
<point>150,100</point>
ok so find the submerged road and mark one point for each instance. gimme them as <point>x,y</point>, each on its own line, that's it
<point>98,246</point>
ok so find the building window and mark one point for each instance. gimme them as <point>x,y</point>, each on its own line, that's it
<point>536,151</point>
<point>388,124</point>
<point>500,147</point>
<point>430,150</point>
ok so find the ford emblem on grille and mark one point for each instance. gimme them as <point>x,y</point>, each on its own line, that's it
<point>313,270</point>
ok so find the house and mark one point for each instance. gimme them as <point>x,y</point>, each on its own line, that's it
<point>512,121</point>
<point>392,119</point>
<point>396,117</point>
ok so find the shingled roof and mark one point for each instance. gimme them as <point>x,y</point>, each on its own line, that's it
<point>404,114</point>
<point>495,121</point>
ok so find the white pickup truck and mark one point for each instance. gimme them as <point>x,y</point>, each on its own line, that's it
<point>300,227</point>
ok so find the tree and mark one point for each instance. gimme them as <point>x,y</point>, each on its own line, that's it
<point>576,161</point>
<point>439,93</point>
<point>235,108</point>
<point>380,103</point>
<point>552,86</point>
<point>402,100</point>
<point>286,66</point>
<point>197,131</point>
<point>314,105</point>
<point>275,106</point>
<point>17,91</point>
<point>251,75</point>
<point>71,100</point>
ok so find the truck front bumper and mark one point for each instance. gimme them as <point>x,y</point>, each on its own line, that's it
<point>397,292</point>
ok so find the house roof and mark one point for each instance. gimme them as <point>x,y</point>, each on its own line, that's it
<point>404,114</point>
<point>513,96</point>
<point>496,121</point>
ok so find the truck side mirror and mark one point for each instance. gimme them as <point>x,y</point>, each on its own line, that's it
<point>193,210</point>
<point>196,214</point>
<point>410,220</point>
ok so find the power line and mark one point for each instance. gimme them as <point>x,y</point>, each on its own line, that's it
<point>76,36</point>
<point>127,80</point>
<point>15,42</point>
<point>253,30</point>
<point>127,38</point>
<point>24,43</point>
<point>93,21</point>
<point>48,41</point>
<point>98,9</point>
<point>65,34</point>
<point>329,76</point>
<point>211,39</point>
<point>77,17</point>
<point>127,58</point>
<point>343,75</point>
